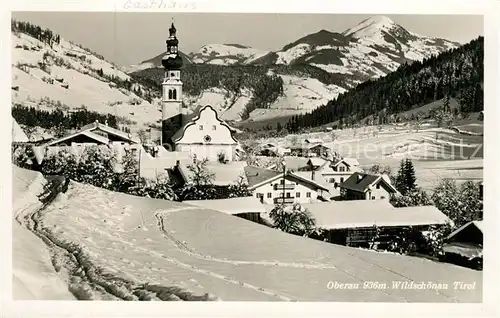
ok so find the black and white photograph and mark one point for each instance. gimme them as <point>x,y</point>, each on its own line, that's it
<point>263,157</point>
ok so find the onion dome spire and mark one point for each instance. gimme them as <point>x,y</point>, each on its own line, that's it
<point>172,59</point>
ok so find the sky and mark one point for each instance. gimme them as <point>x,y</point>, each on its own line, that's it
<point>131,37</point>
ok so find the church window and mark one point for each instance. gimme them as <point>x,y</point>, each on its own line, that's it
<point>214,127</point>
<point>170,94</point>
<point>174,94</point>
<point>207,138</point>
<point>172,74</point>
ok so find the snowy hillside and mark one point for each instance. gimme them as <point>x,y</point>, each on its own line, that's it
<point>300,95</point>
<point>226,54</point>
<point>69,77</point>
<point>126,247</point>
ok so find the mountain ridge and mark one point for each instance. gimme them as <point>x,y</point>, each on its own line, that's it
<point>370,49</point>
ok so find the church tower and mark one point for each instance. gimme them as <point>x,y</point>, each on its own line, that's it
<point>172,106</point>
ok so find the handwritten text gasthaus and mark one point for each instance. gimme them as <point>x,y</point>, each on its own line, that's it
<point>159,4</point>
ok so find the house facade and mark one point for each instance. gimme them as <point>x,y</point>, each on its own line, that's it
<point>206,136</point>
<point>273,187</point>
<point>363,186</point>
<point>332,173</point>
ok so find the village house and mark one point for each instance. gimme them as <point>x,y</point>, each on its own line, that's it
<point>273,187</point>
<point>310,148</point>
<point>364,186</point>
<point>330,172</point>
<point>93,134</point>
<point>464,246</point>
<point>362,223</point>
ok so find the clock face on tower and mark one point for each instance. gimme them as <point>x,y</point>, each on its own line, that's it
<point>207,138</point>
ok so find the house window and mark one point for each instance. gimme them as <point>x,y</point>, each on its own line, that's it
<point>382,197</point>
<point>378,185</point>
<point>281,194</point>
<point>269,195</point>
<point>341,169</point>
<point>341,180</point>
<point>373,198</point>
<point>297,195</point>
<point>308,194</point>
<point>282,181</point>
<point>214,127</point>
<point>332,180</point>
<point>200,127</point>
<point>288,195</point>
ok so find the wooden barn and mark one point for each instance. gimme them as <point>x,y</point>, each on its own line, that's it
<point>361,223</point>
<point>464,246</point>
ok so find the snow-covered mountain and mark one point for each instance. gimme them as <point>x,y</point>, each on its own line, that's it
<point>226,54</point>
<point>373,48</point>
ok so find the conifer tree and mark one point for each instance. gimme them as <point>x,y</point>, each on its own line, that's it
<point>409,176</point>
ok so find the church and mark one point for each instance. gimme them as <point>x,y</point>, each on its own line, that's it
<point>201,133</point>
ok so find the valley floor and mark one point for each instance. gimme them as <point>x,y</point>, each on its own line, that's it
<point>437,153</point>
<point>135,244</point>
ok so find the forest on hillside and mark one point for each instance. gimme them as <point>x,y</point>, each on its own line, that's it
<point>263,81</point>
<point>57,119</point>
<point>457,73</point>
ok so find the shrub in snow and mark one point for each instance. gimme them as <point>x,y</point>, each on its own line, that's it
<point>293,219</point>
<point>461,203</point>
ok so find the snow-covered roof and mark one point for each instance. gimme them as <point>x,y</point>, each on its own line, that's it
<point>231,205</point>
<point>362,182</point>
<point>315,161</point>
<point>18,135</point>
<point>88,131</point>
<point>351,161</point>
<point>266,176</point>
<point>367,213</point>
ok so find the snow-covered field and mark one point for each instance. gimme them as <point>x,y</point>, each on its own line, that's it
<point>434,159</point>
<point>194,251</point>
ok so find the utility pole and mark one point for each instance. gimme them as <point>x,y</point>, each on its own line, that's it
<point>284,174</point>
